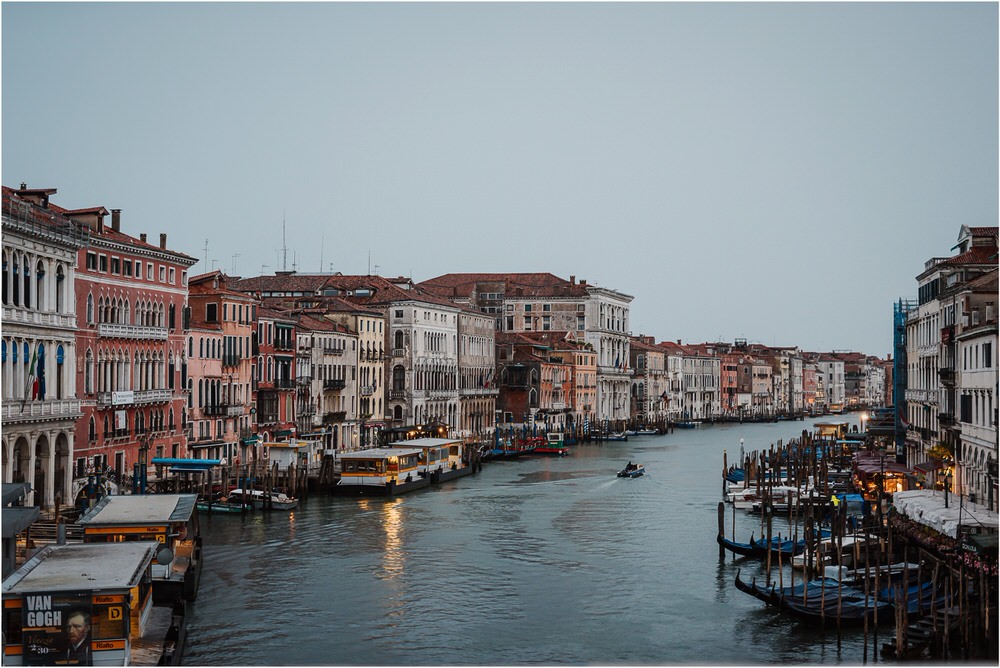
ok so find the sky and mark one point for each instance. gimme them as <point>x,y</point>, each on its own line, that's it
<point>778,172</point>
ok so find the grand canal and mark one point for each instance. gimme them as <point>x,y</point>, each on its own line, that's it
<point>535,561</point>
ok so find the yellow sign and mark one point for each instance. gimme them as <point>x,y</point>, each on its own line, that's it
<point>114,613</point>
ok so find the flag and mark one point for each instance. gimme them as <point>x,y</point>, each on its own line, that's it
<point>39,390</point>
<point>29,382</point>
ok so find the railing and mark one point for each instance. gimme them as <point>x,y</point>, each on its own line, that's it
<point>284,383</point>
<point>947,376</point>
<point>104,399</point>
<point>367,390</point>
<point>29,317</point>
<point>399,352</point>
<point>337,416</point>
<point>53,409</point>
<point>284,345</point>
<point>335,384</point>
<point>397,394</point>
<point>216,410</point>
<point>113,330</point>
<point>235,409</point>
<point>333,351</point>
<point>230,359</point>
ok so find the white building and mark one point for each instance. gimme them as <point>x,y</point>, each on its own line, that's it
<point>40,406</point>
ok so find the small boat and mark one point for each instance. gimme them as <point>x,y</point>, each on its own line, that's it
<point>642,432</point>
<point>259,500</point>
<point>741,549</point>
<point>632,471</point>
<point>615,436</point>
<point>554,444</point>
<point>222,507</point>
<point>380,472</point>
<point>686,424</point>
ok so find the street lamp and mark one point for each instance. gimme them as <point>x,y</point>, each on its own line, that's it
<point>947,485</point>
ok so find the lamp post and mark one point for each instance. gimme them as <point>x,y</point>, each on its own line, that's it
<point>947,484</point>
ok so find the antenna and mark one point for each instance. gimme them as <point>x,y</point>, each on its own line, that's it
<point>376,270</point>
<point>206,252</point>
<point>284,246</point>
<point>322,238</point>
<point>235,255</point>
<point>369,261</point>
<point>262,268</point>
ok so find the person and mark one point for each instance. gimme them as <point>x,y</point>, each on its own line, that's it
<point>78,637</point>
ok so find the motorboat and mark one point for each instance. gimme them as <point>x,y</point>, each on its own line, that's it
<point>632,471</point>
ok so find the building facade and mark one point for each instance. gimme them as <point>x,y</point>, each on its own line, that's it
<point>39,357</point>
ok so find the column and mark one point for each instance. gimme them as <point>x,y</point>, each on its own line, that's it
<point>29,473</point>
<point>50,471</point>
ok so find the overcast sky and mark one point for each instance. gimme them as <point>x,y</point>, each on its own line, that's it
<point>775,172</point>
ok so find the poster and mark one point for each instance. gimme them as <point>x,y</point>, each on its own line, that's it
<point>56,630</point>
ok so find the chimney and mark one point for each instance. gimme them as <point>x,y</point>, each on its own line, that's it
<point>142,237</point>
<point>163,240</point>
<point>572,279</point>
<point>116,220</point>
<point>679,342</point>
<point>583,281</point>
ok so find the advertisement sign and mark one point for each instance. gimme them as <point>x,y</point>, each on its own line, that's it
<point>121,421</point>
<point>56,629</point>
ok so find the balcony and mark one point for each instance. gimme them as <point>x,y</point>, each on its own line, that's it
<point>367,390</point>
<point>133,397</point>
<point>230,359</point>
<point>235,410</point>
<point>216,410</point>
<point>947,420</point>
<point>284,345</point>
<point>283,384</point>
<point>397,394</point>
<point>335,384</point>
<point>947,376</point>
<point>35,411</point>
<point>16,314</point>
<point>334,417</point>
<point>333,351</point>
<point>399,352</point>
<point>111,330</point>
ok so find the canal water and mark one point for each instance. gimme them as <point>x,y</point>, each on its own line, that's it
<point>542,560</point>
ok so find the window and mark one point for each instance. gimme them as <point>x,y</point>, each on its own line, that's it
<point>102,263</point>
<point>988,355</point>
<point>163,274</point>
<point>546,307</point>
<point>116,266</point>
<point>399,313</point>
<point>149,271</point>
<point>173,275</point>
<point>184,278</point>
<point>91,261</point>
<point>127,268</point>
<point>527,308</point>
<point>211,313</point>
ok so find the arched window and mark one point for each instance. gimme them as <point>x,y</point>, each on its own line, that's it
<point>60,358</point>
<point>398,340</point>
<point>90,309</point>
<point>15,297</point>
<point>190,346</point>
<point>26,302</point>
<point>40,286</point>
<point>6,282</point>
<point>60,289</point>
<point>88,373</point>
<point>398,378</point>
<point>92,430</point>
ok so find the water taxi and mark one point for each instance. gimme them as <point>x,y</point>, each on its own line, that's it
<point>380,472</point>
<point>440,459</point>
<point>168,519</point>
<point>53,615</point>
<point>554,444</point>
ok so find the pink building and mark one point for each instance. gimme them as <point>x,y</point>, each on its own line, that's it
<point>131,297</point>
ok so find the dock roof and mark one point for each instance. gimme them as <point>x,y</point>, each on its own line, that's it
<point>140,509</point>
<point>83,567</point>
<point>425,442</point>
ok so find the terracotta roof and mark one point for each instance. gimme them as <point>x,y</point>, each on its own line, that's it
<point>265,313</point>
<point>975,255</point>
<point>983,231</point>
<point>540,284</point>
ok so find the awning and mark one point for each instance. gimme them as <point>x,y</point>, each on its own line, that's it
<point>282,432</point>
<point>928,466</point>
